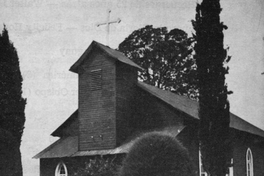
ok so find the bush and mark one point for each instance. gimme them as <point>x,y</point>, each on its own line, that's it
<point>100,166</point>
<point>157,154</point>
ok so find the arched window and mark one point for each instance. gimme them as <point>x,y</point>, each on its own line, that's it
<point>249,163</point>
<point>61,170</point>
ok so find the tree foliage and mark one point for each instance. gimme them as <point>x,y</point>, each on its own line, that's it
<point>211,58</point>
<point>100,166</point>
<point>12,105</point>
<point>166,57</point>
<point>157,153</point>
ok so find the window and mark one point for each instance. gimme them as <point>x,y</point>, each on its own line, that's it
<point>249,162</point>
<point>61,170</point>
<point>96,80</point>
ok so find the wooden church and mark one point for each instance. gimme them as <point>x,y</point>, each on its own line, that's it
<point>114,108</point>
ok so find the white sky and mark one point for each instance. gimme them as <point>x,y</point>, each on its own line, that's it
<point>51,35</point>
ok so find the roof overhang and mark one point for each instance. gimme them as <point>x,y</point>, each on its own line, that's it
<point>64,147</point>
<point>68,147</point>
<point>68,121</point>
<point>117,55</point>
<point>242,125</point>
<point>124,148</point>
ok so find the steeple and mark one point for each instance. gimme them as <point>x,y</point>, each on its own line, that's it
<point>104,78</point>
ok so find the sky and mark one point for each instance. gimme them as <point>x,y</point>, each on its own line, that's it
<point>51,35</point>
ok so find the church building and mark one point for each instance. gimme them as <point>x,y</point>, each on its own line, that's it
<point>114,108</point>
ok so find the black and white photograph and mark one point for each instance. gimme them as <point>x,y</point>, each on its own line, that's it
<point>131,87</point>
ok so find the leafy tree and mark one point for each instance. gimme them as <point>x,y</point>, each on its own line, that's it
<point>166,57</point>
<point>12,105</point>
<point>214,117</point>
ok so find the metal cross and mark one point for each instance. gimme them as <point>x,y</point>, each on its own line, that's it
<point>118,20</point>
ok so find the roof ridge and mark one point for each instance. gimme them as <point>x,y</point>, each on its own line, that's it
<point>118,55</point>
<point>191,107</point>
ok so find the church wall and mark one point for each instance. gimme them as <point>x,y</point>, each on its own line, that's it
<point>242,143</point>
<point>188,138</point>
<point>72,129</point>
<point>153,114</point>
<point>171,117</point>
<point>126,78</point>
<point>97,103</point>
<point>258,159</point>
<point>113,108</point>
<point>74,165</point>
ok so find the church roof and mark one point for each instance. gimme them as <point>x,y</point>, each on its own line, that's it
<point>124,148</point>
<point>190,107</point>
<point>63,147</point>
<point>65,124</point>
<point>68,147</point>
<point>109,51</point>
<point>181,103</point>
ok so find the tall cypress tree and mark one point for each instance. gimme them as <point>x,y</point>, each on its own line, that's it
<point>12,107</point>
<point>214,117</point>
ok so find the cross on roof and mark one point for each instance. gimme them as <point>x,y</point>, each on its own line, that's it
<point>107,23</point>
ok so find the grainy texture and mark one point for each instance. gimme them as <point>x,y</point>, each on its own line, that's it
<point>242,142</point>
<point>214,114</point>
<point>157,154</point>
<point>97,107</point>
<point>124,108</point>
<point>74,164</point>
<point>126,78</point>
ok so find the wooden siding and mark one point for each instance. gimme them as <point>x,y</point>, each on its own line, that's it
<point>126,78</point>
<point>138,111</point>
<point>97,107</point>
<point>151,113</point>
<point>243,141</point>
<point>95,82</point>
<point>71,130</point>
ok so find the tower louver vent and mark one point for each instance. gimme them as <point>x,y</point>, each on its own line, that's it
<point>96,80</point>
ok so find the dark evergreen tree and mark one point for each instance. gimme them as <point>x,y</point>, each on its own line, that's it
<point>166,57</point>
<point>12,106</point>
<point>211,57</point>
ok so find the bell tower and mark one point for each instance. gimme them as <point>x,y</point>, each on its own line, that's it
<point>104,76</point>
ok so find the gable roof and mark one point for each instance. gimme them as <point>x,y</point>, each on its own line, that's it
<point>65,124</point>
<point>181,103</point>
<point>242,125</point>
<point>109,51</point>
<point>63,147</point>
<point>191,107</point>
<point>68,147</point>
